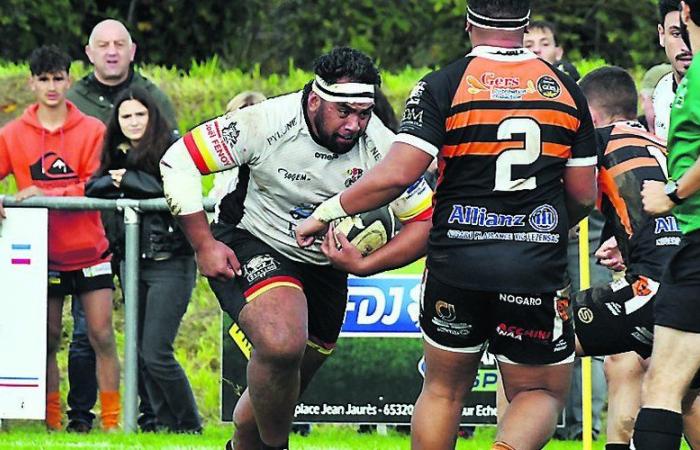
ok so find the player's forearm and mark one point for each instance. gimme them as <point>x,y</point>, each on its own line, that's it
<point>689,183</point>
<point>196,229</point>
<point>409,244</point>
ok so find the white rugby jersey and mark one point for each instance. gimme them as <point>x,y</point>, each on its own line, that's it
<point>662,99</point>
<point>290,173</point>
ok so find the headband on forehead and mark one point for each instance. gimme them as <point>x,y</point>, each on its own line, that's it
<point>495,23</point>
<point>344,92</point>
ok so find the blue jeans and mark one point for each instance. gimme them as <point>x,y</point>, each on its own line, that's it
<point>165,288</point>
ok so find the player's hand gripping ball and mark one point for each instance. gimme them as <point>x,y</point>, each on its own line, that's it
<point>367,231</point>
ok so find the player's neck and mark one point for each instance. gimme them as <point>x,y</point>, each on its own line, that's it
<point>496,38</point>
<point>52,117</point>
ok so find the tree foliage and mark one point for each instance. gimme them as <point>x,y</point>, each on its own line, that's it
<point>270,33</point>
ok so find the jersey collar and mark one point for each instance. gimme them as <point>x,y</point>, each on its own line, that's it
<point>502,53</point>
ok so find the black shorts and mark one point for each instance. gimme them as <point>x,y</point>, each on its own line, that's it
<point>521,328</point>
<point>678,301</point>
<point>325,288</point>
<point>76,282</point>
<point>616,317</point>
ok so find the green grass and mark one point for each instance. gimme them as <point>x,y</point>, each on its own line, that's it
<point>323,437</point>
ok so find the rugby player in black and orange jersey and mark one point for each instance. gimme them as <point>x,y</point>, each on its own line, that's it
<point>517,155</point>
<point>617,318</point>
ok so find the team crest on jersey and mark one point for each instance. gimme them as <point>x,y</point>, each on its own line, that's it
<point>230,134</point>
<point>544,218</point>
<point>548,87</point>
<point>353,174</point>
<point>416,94</point>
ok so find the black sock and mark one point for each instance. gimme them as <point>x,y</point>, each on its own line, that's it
<point>271,447</point>
<point>617,446</point>
<point>657,429</point>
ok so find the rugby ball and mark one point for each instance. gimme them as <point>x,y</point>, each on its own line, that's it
<point>367,231</point>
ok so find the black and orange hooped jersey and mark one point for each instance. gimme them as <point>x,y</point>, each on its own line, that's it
<point>504,125</point>
<point>628,155</point>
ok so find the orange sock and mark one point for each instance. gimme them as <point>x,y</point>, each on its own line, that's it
<point>53,410</point>
<point>501,446</point>
<point>111,409</point>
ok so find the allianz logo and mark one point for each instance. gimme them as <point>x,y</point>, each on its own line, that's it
<point>480,216</point>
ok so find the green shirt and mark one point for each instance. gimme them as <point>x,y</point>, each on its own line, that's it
<point>96,99</point>
<point>684,143</point>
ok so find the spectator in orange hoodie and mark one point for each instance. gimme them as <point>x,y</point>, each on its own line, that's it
<point>52,150</point>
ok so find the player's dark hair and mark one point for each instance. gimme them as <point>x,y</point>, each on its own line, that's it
<point>48,59</point>
<point>694,6</point>
<point>346,62</point>
<point>500,9</point>
<point>544,25</point>
<point>384,111</point>
<point>667,6</point>
<point>612,90</point>
<point>155,141</point>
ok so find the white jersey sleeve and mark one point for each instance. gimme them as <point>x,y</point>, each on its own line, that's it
<point>662,99</point>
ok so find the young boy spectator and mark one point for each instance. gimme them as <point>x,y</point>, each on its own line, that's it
<point>541,39</point>
<point>52,149</point>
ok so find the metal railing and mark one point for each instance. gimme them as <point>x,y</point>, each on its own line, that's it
<point>132,210</point>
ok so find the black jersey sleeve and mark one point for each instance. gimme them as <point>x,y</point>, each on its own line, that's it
<point>584,148</point>
<point>428,106</point>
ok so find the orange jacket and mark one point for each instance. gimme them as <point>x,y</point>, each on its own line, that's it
<point>59,162</point>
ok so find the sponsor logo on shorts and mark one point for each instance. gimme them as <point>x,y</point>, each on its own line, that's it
<point>520,299</point>
<point>258,267</point>
<point>445,311</point>
<point>518,333</point>
<point>544,218</point>
<point>560,345</point>
<point>585,315</point>
<point>548,87</point>
<point>445,320</point>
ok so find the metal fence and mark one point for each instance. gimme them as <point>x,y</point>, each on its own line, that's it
<point>132,210</point>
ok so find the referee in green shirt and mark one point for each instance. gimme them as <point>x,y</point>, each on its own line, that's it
<point>676,354</point>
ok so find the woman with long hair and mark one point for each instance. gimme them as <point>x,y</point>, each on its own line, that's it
<point>137,136</point>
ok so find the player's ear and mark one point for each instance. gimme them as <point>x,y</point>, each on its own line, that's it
<point>314,101</point>
<point>559,53</point>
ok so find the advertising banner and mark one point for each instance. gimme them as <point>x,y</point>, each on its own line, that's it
<point>23,271</point>
<point>376,372</point>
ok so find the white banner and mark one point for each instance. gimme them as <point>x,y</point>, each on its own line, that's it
<point>23,275</point>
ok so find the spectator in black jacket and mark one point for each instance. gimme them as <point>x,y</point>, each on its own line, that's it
<point>137,136</point>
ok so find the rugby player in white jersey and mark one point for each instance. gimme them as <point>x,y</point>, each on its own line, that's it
<point>301,149</point>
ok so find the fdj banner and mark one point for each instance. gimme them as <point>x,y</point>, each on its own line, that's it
<point>376,371</point>
<point>23,270</point>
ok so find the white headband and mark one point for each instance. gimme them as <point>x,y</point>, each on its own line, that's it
<point>493,23</point>
<point>344,92</point>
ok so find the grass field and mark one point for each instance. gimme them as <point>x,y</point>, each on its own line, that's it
<point>324,437</point>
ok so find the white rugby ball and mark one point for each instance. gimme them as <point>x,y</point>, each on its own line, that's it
<point>367,231</point>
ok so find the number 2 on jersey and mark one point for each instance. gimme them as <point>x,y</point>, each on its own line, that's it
<point>517,156</point>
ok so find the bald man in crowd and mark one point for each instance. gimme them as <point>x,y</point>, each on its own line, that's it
<point>111,51</point>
